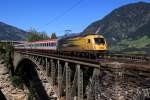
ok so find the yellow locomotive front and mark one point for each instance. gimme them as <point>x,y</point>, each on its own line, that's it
<point>87,43</point>
<point>95,43</point>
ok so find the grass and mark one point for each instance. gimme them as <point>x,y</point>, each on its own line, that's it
<point>135,52</point>
<point>137,43</point>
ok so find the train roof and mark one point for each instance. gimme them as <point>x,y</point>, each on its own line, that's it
<point>42,41</point>
<point>77,35</point>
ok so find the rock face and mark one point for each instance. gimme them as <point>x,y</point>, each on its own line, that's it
<point>123,83</point>
<point>10,92</point>
<point>50,90</point>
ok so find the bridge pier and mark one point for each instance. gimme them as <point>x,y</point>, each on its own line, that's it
<point>80,83</point>
<point>53,71</point>
<point>68,83</point>
<point>59,78</point>
<point>94,87</point>
<point>46,66</point>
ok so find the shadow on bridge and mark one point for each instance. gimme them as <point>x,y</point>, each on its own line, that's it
<point>26,69</point>
<point>2,97</point>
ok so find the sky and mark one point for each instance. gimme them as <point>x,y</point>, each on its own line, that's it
<point>57,15</point>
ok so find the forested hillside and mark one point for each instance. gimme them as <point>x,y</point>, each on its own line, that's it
<point>127,28</point>
<point>8,32</point>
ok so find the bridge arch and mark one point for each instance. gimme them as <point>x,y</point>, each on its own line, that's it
<point>26,69</point>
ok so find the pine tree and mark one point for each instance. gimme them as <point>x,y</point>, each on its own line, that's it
<point>53,36</point>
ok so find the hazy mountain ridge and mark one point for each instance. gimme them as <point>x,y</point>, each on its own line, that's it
<point>128,23</point>
<point>8,32</point>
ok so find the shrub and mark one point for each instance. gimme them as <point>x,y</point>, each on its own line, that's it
<point>17,81</point>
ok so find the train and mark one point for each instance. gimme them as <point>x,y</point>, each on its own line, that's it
<point>92,44</point>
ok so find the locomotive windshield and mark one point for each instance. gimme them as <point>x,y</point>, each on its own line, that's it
<point>99,40</point>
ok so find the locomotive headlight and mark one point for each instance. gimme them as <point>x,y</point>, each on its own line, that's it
<point>94,47</point>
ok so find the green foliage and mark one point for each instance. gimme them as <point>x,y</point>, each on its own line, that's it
<point>136,43</point>
<point>4,46</point>
<point>132,46</point>
<point>17,81</point>
<point>31,97</point>
<point>33,93</point>
<point>135,52</point>
<point>53,36</point>
<point>34,35</point>
<point>6,50</point>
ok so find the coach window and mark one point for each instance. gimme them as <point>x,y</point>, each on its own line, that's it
<point>89,41</point>
<point>54,44</point>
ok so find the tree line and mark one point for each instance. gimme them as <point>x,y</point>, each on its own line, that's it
<point>34,35</point>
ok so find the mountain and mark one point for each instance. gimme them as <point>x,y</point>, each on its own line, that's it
<point>127,28</point>
<point>8,32</point>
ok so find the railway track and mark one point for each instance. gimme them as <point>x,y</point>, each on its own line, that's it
<point>137,60</point>
<point>133,59</point>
